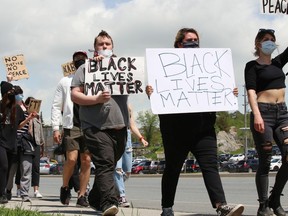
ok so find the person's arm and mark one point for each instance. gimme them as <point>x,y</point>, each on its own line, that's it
<point>134,128</point>
<point>24,122</point>
<point>258,121</point>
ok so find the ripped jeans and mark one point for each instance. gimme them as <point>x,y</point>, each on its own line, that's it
<point>275,117</point>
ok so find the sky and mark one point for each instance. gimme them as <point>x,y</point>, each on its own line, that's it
<point>48,32</point>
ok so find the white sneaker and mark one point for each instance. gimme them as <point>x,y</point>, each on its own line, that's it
<point>18,193</point>
<point>37,194</point>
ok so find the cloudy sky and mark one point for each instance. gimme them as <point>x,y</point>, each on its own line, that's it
<point>48,32</point>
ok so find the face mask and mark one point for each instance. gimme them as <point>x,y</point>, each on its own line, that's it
<point>19,97</point>
<point>79,63</point>
<point>191,44</point>
<point>268,47</point>
<point>106,53</point>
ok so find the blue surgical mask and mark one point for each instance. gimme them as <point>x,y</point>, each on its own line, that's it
<point>19,97</point>
<point>268,47</point>
<point>106,53</point>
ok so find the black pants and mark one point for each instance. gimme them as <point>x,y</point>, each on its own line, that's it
<point>106,148</point>
<point>36,167</point>
<point>199,138</point>
<point>275,117</point>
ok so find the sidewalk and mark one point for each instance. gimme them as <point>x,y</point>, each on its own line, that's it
<point>51,205</point>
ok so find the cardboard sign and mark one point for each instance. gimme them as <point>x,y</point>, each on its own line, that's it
<point>191,80</point>
<point>274,6</point>
<point>34,105</point>
<point>68,68</point>
<point>121,76</point>
<point>15,67</point>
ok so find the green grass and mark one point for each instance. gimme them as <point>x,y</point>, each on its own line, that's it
<point>19,211</point>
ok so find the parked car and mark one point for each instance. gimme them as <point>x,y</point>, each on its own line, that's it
<point>150,168</point>
<point>138,169</point>
<point>240,166</point>
<point>276,150</point>
<point>56,169</point>
<point>237,157</point>
<point>224,157</point>
<point>251,154</point>
<point>253,163</point>
<point>161,166</point>
<point>275,164</point>
<point>44,167</point>
<point>190,165</point>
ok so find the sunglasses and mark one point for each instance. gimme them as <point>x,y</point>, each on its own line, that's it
<point>266,30</point>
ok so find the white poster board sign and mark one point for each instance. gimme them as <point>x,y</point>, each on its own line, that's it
<point>274,6</point>
<point>122,76</point>
<point>191,80</point>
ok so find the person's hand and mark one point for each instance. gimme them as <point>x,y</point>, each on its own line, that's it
<point>149,90</point>
<point>103,96</point>
<point>259,124</point>
<point>57,136</point>
<point>9,78</point>
<point>32,115</point>
<point>144,142</point>
<point>235,91</point>
<point>98,58</point>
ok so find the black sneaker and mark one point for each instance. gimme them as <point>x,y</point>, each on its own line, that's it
<point>167,212</point>
<point>9,195</point>
<point>226,210</point>
<point>110,211</point>
<point>65,195</point>
<point>82,202</point>
<point>3,199</point>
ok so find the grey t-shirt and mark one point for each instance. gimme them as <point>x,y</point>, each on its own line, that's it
<point>110,115</point>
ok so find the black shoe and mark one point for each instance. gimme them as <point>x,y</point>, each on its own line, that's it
<point>3,199</point>
<point>264,209</point>
<point>9,195</point>
<point>276,207</point>
<point>65,195</point>
<point>167,212</point>
<point>82,202</point>
<point>226,210</point>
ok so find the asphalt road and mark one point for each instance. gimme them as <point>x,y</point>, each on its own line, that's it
<point>144,191</point>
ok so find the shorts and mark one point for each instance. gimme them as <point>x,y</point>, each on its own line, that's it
<point>74,140</point>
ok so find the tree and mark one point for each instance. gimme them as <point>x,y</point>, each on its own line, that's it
<point>149,127</point>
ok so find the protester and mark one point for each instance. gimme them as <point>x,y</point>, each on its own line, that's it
<point>12,118</point>
<point>104,119</point>
<point>36,129</point>
<point>124,165</point>
<point>265,84</point>
<point>199,138</point>
<point>63,108</point>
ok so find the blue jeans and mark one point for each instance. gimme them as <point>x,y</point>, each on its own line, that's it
<point>124,164</point>
<point>275,117</point>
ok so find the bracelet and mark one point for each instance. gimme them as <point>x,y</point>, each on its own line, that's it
<point>140,139</point>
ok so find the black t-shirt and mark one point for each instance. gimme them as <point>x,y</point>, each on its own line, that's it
<point>8,132</point>
<point>264,77</point>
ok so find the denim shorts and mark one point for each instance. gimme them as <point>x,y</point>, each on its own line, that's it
<point>275,117</point>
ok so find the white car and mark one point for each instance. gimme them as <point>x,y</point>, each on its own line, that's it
<point>237,157</point>
<point>44,167</point>
<point>275,164</point>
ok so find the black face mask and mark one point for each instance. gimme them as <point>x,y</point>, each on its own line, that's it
<point>79,63</point>
<point>191,44</point>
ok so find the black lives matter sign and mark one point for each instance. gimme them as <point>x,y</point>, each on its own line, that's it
<point>15,66</point>
<point>121,76</point>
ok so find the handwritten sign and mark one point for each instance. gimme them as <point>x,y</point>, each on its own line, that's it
<point>274,6</point>
<point>68,68</point>
<point>191,80</point>
<point>15,67</point>
<point>34,105</point>
<point>122,76</point>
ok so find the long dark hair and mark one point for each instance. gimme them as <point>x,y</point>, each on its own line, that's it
<point>8,104</point>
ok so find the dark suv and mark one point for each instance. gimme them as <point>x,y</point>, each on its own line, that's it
<point>190,165</point>
<point>161,166</point>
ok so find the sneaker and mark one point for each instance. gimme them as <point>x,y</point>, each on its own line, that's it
<point>26,199</point>
<point>264,209</point>
<point>3,199</point>
<point>65,195</point>
<point>226,210</point>
<point>123,202</point>
<point>167,212</point>
<point>82,202</point>
<point>8,195</point>
<point>18,193</point>
<point>110,211</point>
<point>37,194</point>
